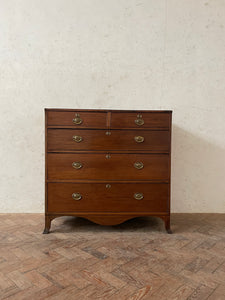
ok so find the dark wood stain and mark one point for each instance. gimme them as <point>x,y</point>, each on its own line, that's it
<point>108,179</point>
<point>62,140</point>
<point>97,166</point>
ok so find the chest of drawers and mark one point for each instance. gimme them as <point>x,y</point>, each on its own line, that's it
<point>107,165</point>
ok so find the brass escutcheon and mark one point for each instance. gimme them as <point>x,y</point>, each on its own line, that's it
<point>77,165</point>
<point>77,120</point>
<point>108,156</point>
<point>76,196</point>
<point>138,165</point>
<point>139,139</point>
<point>108,185</point>
<point>108,133</point>
<point>138,196</point>
<point>77,138</point>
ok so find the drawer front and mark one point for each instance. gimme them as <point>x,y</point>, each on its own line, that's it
<point>100,197</point>
<point>74,139</point>
<point>140,120</point>
<point>103,166</point>
<point>78,119</point>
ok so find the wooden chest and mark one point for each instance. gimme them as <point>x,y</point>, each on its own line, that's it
<point>107,165</point>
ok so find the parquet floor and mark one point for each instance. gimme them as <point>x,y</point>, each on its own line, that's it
<point>134,260</point>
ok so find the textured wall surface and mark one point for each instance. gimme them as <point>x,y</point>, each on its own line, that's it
<point>139,54</point>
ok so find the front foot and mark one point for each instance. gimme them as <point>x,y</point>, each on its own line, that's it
<point>167,225</point>
<point>47,225</point>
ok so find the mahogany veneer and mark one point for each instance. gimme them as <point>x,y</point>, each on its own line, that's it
<point>107,165</point>
<point>97,166</point>
<point>62,140</point>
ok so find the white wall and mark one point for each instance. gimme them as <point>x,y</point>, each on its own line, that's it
<point>139,54</point>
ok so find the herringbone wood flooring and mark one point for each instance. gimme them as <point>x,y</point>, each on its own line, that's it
<point>134,260</point>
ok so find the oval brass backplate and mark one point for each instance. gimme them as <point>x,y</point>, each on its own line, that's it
<point>76,196</point>
<point>108,185</point>
<point>108,156</point>
<point>138,196</point>
<point>108,133</point>
<point>77,165</point>
<point>139,139</point>
<point>139,165</point>
<point>77,120</point>
<point>77,138</point>
<point>139,121</point>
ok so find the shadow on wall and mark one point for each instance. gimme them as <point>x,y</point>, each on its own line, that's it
<point>198,174</point>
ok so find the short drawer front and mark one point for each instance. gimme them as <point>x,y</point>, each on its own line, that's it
<point>77,119</point>
<point>74,139</point>
<point>140,120</point>
<point>108,166</point>
<point>105,197</point>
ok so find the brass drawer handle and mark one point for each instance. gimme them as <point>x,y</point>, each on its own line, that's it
<point>139,121</point>
<point>139,139</point>
<point>77,138</point>
<point>77,120</point>
<point>76,196</point>
<point>138,196</point>
<point>77,165</point>
<point>138,165</point>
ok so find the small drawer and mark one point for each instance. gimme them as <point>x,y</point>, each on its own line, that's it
<point>153,120</point>
<point>106,166</point>
<point>121,197</point>
<point>74,139</point>
<point>77,119</point>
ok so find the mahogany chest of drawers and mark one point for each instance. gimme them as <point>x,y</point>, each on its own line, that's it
<point>107,165</point>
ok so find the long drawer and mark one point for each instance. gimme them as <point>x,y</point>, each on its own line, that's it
<point>114,197</point>
<point>83,139</point>
<point>103,166</point>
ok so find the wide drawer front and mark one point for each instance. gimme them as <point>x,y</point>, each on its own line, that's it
<point>103,166</point>
<point>103,197</point>
<point>73,139</point>
<point>77,119</point>
<point>140,120</point>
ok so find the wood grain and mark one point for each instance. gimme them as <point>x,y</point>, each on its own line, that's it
<point>117,198</point>
<point>151,120</point>
<point>62,140</point>
<point>97,166</point>
<point>65,118</point>
<point>107,152</point>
